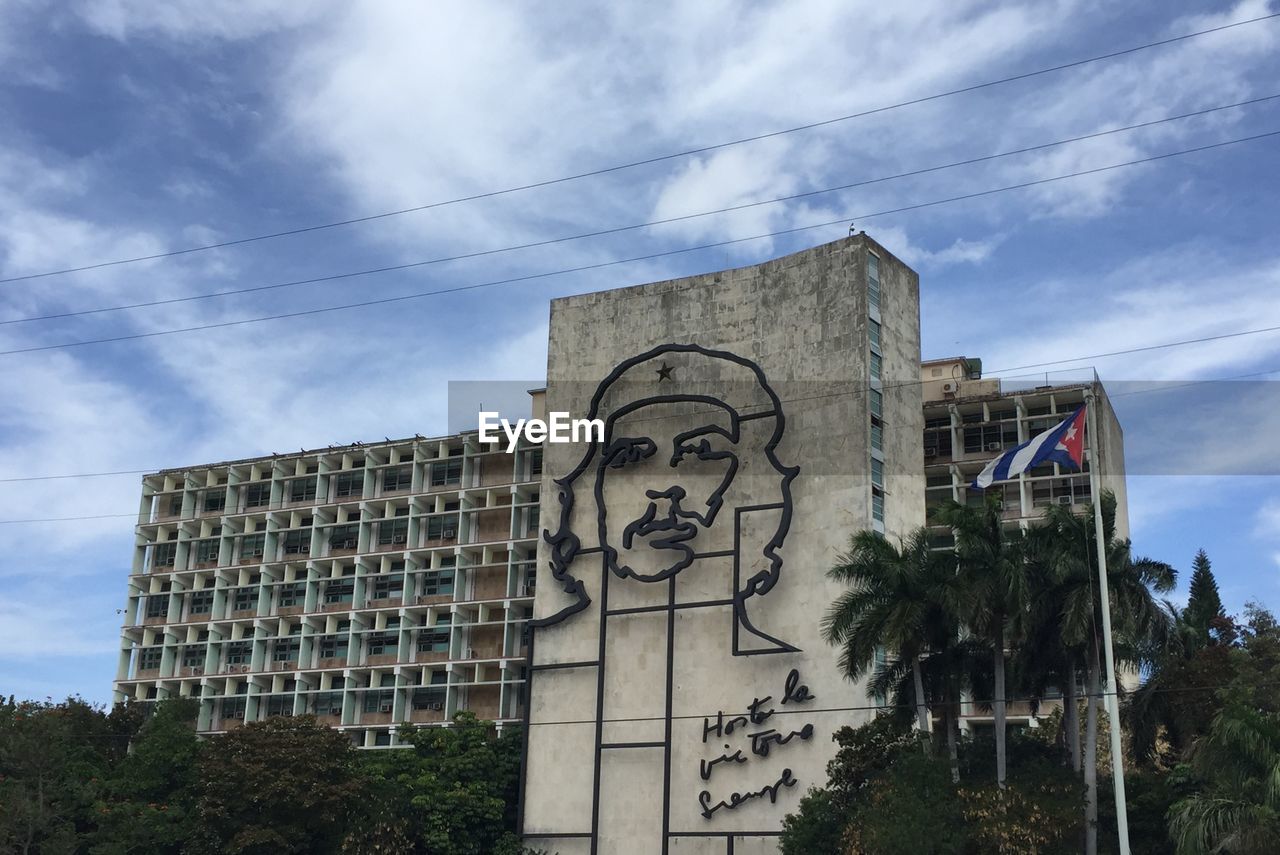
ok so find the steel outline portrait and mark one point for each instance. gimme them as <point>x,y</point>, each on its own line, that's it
<point>566,546</point>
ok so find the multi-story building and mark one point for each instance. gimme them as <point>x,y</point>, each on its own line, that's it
<point>969,419</point>
<point>369,585</point>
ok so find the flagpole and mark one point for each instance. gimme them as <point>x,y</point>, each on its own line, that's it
<point>1111,692</point>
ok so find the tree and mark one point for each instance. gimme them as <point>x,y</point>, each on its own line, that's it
<point>53,758</point>
<point>457,787</point>
<point>1203,604</point>
<point>1139,619</point>
<point>1239,811</point>
<point>279,785</point>
<point>149,795</point>
<point>896,595</point>
<point>992,564</point>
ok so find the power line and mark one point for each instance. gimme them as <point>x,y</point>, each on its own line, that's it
<point>643,162</point>
<point>861,389</point>
<point>636,226</point>
<point>665,253</point>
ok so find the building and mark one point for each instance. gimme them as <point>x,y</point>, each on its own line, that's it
<point>367,585</point>
<point>968,420</point>
<point>682,697</point>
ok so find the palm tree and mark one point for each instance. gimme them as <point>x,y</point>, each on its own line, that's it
<point>897,597</point>
<point>1138,616</point>
<point>993,569</point>
<point>1240,810</point>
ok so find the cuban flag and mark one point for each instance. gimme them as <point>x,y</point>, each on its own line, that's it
<point>1063,444</point>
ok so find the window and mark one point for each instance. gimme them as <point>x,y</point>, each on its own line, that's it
<point>286,650</point>
<point>873,281</point>
<point>257,494</point>
<point>333,646</point>
<point>279,705</point>
<point>164,554</point>
<point>393,531</point>
<point>877,435</point>
<point>239,653</point>
<point>292,594</point>
<point>339,592</point>
<point>446,472</point>
<point>877,505</point>
<point>877,402</point>
<point>245,599</point>
<point>193,656</point>
<point>157,605</point>
<point>377,702</point>
<point>344,536</point>
<point>437,583</point>
<point>328,703</point>
<point>877,366</point>
<point>877,473</point>
<point>207,551</point>
<point>175,505</point>
<point>201,602</point>
<point>215,500</point>
<point>535,463</point>
<point>252,546</point>
<point>233,708</point>
<point>441,527</point>
<point>873,332</point>
<point>428,699</point>
<point>387,587</point>
<point>434,640</point>
<point>348,484</point>
<point>149,658</point>
<point>302,490</point>
<point>382,644</point>
<point>400,478</point>
<point>297,541</point>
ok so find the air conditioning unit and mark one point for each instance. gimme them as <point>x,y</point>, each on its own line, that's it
<point>1066,500</point>
<point>197,671</point>
<point>950,387</point>
<point>449,532</point>
<point>930,451</point>
<point>435,706</point>
<point>399,539</point>
<point>384,707</point>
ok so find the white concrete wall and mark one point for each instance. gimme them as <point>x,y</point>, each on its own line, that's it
<point>803,319</point>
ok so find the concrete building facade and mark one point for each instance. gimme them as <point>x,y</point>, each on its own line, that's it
<point>682,698</point>
<point>668,662</point>
<point>369,585</point>
<point>970,419</point>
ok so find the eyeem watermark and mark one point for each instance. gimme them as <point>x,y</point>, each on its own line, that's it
<point>558,428</point>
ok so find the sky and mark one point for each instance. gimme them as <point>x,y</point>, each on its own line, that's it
<point>129,128</point>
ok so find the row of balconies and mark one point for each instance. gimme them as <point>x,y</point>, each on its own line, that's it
<point>385,535</point>
<point>228,601</point>
<point>284,489</point>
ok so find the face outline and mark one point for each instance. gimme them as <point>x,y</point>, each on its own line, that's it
<point>565,546</point>
<point>661,512</point>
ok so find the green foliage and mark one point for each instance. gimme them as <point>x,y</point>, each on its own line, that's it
<point>147,800</point>
<point>817,826</point>
<point>53,758</point>
<point>456,788</point>
<point>912,807</point>
<point>279,785</point>
<point>74,778</point>
<point>1238,809</point>
<point>1203,604</point>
